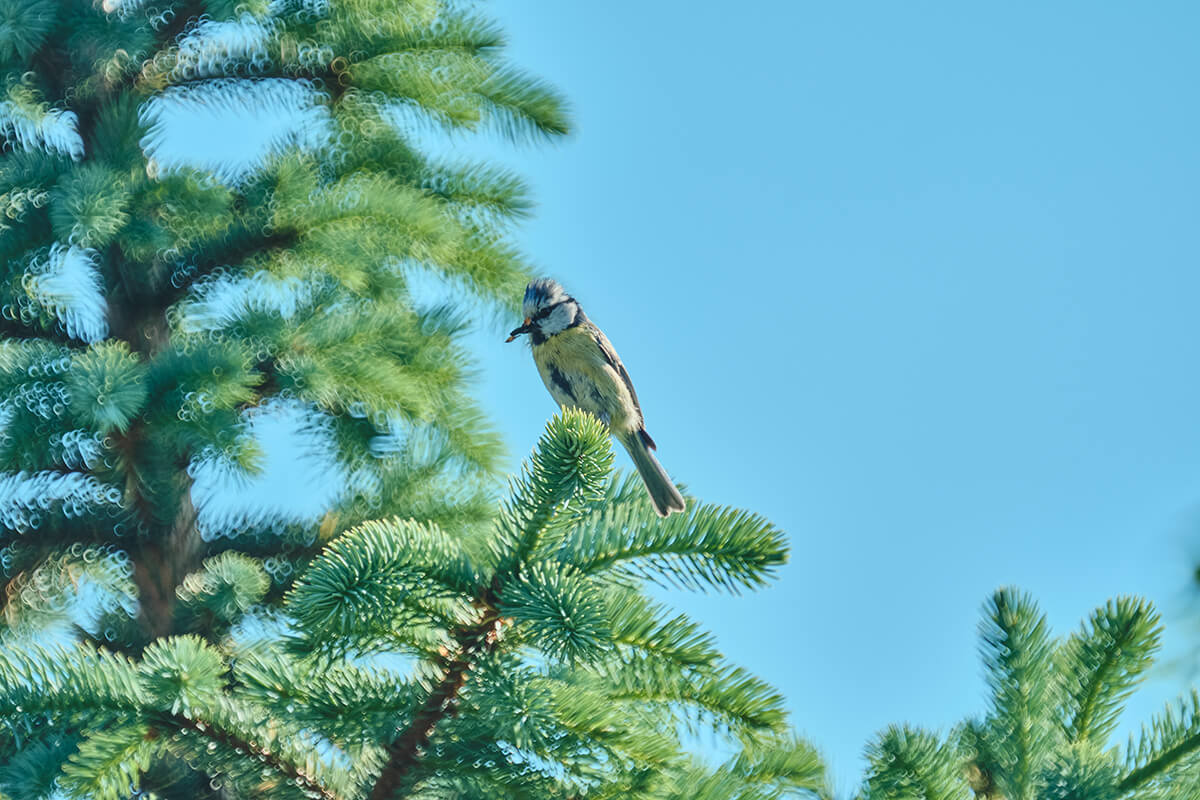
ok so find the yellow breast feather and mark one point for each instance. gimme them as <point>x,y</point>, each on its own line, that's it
<point>577,374</point>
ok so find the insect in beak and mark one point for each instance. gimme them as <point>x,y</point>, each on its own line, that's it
<point>526,328</point>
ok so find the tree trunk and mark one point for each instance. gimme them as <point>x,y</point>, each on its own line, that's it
<point>168,549</point>
<point>160,564</point>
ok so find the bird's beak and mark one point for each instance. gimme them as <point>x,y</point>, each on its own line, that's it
<point>526,328</point>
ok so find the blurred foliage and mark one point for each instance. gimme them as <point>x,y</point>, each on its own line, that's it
<point>1054,706</point>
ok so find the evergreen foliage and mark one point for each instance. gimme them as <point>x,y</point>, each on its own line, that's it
<point>413,641</point>
<point>407,661</point>
<point>1054,705</point>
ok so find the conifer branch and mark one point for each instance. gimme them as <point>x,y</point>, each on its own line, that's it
<point>1165,742</point>
<point>404,751</point>
<point>1090,699</point>
<point>236,250</point>
<point>1017,651</point>
<point>187,12</point>
<point>11,329</point>
<point>910,762</point>
<point>1104,663</point>
<point>234,742</point>
<point>1160,764</point>
<point>152,306</point>
<point>52,63</point>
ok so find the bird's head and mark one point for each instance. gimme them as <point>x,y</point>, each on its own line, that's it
<point>548,310</point>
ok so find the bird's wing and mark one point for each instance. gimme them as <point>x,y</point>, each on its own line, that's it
<point>614,361</point>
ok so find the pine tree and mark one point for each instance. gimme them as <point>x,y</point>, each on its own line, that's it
<point>1054,706</point>
<point>521,659</point>
<point>414,641</point>
<point>150,307</point>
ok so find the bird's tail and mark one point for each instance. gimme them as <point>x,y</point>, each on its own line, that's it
<point>663,494</point>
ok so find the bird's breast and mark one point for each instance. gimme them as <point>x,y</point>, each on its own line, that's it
<point>577,375</point>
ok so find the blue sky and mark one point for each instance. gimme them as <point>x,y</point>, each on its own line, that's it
<point>917,281</point>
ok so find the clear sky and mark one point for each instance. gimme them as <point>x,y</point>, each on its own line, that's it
<point>917,281</point>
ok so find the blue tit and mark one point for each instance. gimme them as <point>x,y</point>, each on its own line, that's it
<point>582,370</point>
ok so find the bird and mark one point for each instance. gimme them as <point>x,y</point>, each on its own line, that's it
<point>581,369</point>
